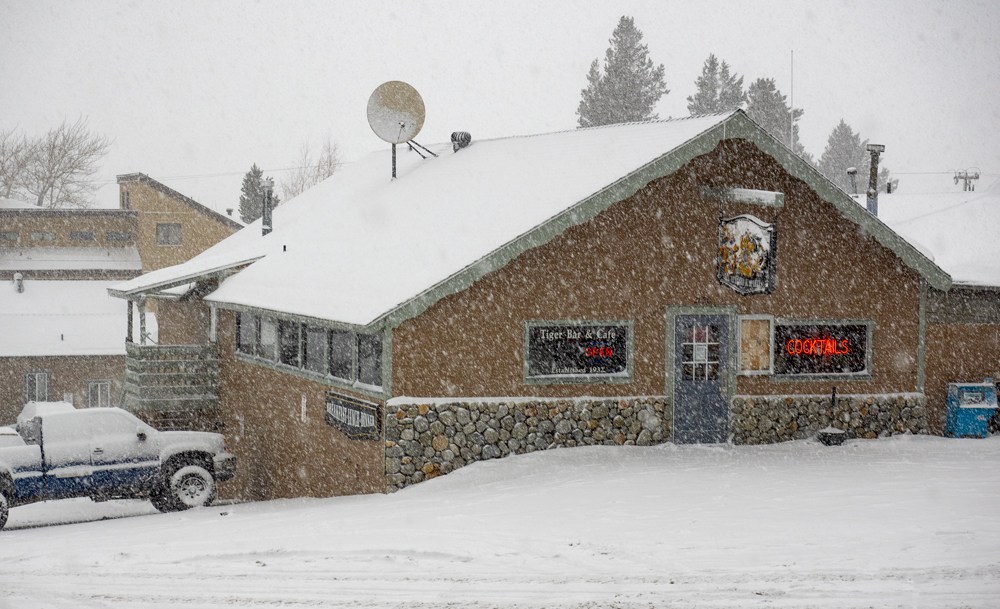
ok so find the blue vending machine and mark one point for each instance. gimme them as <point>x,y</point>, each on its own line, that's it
<point>970,406</point>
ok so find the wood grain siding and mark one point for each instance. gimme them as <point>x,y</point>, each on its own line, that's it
<point>655,250</point>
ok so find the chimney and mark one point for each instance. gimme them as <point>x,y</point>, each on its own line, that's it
<point>229,212</point>
<point>19,282</point>
<point>265,224</point>
<point>459,140</point>
<point>875,150</point>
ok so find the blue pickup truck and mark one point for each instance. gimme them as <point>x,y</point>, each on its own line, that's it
<point>108,453</point>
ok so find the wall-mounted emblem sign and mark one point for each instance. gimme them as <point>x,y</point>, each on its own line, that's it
<point>579,351</point>
<point>359,420</point>
<point>747,248</point>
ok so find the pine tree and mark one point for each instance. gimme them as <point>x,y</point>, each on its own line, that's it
<point>252,196</point>
<point>630,85</point>
<point>718,90</point>
<point>768,108</point>
<point>845,149</point>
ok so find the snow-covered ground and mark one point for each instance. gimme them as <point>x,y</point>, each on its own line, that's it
<point>901,522</point>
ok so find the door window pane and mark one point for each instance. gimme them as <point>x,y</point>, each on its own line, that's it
<point>700,354</point>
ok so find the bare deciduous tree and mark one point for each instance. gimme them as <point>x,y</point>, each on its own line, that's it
<point>309,172</point>
<point>14,157</point>
<point>61,164</point>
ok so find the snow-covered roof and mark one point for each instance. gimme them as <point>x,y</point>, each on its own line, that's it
<point>958,228</point>
<point>62,318</point>
<point>360,247</point>
<point>70,258</point>
<point>15,204</point>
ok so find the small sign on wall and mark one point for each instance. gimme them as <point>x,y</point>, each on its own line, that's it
<point>747,248</point>
<point>357,419</point>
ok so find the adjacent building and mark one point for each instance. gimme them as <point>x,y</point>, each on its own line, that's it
<point>61,334</point>
<point>685,280</point>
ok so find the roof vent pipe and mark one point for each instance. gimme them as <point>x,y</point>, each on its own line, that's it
<point>460,139</point>
<point>875,150</point>
<point>19,282</point>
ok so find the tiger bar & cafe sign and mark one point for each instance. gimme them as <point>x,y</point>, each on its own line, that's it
<point>577,350</point>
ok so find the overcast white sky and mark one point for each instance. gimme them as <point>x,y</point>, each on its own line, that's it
<point>194,92</point>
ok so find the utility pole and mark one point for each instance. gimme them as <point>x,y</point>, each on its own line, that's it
<point>967,179</point>
<point>875,150</point>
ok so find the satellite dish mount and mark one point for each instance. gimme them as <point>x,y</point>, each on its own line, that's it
<point>396,114</point>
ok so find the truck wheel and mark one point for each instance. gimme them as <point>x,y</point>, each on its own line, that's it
<point>4,507</point>
<point>163,502</point>
<point>191,486</point>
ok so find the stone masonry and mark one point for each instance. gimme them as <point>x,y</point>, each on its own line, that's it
<point>769,419</point>
<point>424,440</point>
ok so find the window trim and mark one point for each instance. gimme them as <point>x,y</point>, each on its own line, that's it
<point>739,345</point>
<point>581,379</point>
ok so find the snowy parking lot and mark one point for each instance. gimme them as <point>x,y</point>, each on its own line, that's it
<point>901,522</point>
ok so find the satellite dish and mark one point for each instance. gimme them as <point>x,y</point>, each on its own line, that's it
<point>395,112</point>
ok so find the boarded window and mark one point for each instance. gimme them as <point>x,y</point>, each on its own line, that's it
<point>755,345</point>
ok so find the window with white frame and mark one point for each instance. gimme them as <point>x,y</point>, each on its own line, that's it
<point>99,394</point>
<point>36,387</point>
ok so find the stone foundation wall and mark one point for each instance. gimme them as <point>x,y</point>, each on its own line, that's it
<point>425,440</point>
<point>768,419</point>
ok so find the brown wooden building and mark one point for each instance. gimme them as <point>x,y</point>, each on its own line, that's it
<point>61,335</point>
<point>687,280</point>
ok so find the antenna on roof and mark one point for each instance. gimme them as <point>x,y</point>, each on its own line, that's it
<point>395,114</point>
